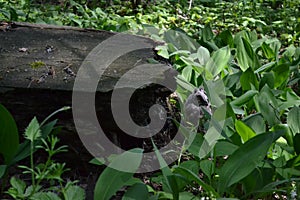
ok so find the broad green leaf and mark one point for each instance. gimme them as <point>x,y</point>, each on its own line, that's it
<point>207,167</point>
<point>288,172</point>
<point>180,40</point>
<point>246,56</point>
<point>267,105</point>
<point>251,37</point>
<point>218,61</point>
<point>24,148</point>
<point>224,38</point>
<point>275,45</point>
<point>163,51</point>
<point>288,135</point>
<point>192,176</point>
<point>191,165</point>
<point>18,184</point>
<point>29,190</point>
<point>203,55</point>
<point>137,191</point>
<point>247,79</point>
<point>244,98</point>
<point>207,33</point>
<point>184,88</point>
<point>296,141</point>
<point>224,148</point>
<point>268,78</point>
<point>281,74</point>
<point>256,123</point>
<point>33,131</point>
<point>9,136</point>
<point>97,161</point>
<point>74,192</point>
<point>265,67</point>
<point>194,148</point>
<point>187,196</point>
<point>111,179</point>
<point>244,131</point>
<point>164,195</point>
<point>267,51</point>
<point>293,120</point>
<point>45,196</point>
<point>2,170</point>
<point>273,186</point>
<point>169,178</point>
<point>245,159</point>
<point>181,52</point>
<point>187,73</point>
<point>290,51</point>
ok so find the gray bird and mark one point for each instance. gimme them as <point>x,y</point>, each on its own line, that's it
<point>196,105</point>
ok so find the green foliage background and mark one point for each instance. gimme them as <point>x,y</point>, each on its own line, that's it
<point>252,47</point>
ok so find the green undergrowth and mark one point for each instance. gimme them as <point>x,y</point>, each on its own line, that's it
<point>246,55</point>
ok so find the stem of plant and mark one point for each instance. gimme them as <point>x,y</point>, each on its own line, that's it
<point>32,165</point>
<point>181,152</point>
<point>45,168</point>
<point>54,113</point>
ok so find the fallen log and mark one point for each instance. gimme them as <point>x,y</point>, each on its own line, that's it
<point>39,65</point>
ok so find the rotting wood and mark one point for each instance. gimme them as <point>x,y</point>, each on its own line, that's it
<point>39,65</point>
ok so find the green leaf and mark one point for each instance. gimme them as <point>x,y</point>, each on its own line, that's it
<point>33,131</point>
<point>267,51</point>
<point>194,148</point>
<point>225,148</point>
<point>218,61</point>
<point>111,179</point>
<point>97,161</point>
<point>2,170</point>
<point>268,78</point>
<point>244,131</point>
<point>137,191</point>
<point>293,120</point>
<point>181,52</point>
<point>224,38</point>
<point>247,79</point>
<point>24,148</point>
<point>207,33</point>
<point>267,105</point>
<point>18,184</point>
<point>187,73</point>
<point>256,123</point>
<point>192,176</point>
<point>163,51</point>
<point>45,196</point>
<point>244,160</point>
<point>191,165</point>
<point>265,67</point>
<point>296,141</point>
<point>246,97</point>
<point>187,196</point>
<point>169,178</point>
<point>203,55</point>
<point>288,135</point>
<point>9,136</point>
<point>246,56</point>
<point>180,40</point>
<point>207,167</point>
<point>281,74</point>
<point>74,192</point>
